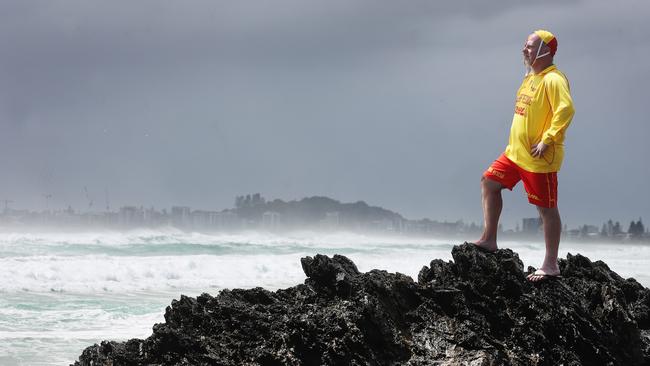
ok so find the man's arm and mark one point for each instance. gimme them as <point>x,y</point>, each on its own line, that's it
<point>557,92</point>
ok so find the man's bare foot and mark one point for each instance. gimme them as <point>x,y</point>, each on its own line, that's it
<point>489,246</point>
<point>544,274</point>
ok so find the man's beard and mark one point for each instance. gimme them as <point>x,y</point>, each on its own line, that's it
<point>527,64</point>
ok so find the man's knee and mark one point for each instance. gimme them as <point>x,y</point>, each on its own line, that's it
<point>490,184</point>
<point>548,212</point>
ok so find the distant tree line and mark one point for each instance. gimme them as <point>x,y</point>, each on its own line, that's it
<point>612,229</point>
<point>636,229</point>
<point>312,210</point>
<point>249,200</point>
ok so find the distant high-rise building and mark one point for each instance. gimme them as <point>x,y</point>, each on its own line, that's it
<point>200,219</point>
<point>532,225</point>
<point>227,220</point>
<point>131,216</point>
<point>181,216</point>
<point>271,220</point>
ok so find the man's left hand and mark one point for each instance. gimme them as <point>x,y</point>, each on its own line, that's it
<point>538,150</point>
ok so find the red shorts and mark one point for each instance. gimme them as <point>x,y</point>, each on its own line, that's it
<point>541,187</point>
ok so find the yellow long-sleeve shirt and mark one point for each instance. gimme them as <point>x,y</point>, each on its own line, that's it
<point>543,111</point>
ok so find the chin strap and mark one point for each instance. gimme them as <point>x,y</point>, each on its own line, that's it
<point>538,50</point>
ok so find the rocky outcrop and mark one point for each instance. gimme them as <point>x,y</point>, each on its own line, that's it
<point>477,310</point>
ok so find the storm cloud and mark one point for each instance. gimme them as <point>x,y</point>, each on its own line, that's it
<point>400,104</point>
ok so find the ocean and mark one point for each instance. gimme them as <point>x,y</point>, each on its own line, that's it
<point>62,292</point>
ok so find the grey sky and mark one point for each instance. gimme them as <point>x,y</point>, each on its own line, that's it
<point>400,104</point>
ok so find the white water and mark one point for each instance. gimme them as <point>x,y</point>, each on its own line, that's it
<point>62,292</point>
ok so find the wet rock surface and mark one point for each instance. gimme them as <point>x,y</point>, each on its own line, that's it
<point>477,310</point>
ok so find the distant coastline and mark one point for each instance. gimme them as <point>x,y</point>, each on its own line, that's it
<point>318,213</point>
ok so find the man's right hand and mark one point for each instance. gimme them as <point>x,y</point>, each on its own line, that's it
<point>538,150</point>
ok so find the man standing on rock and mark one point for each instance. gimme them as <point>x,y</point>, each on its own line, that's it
<point>543,111</point>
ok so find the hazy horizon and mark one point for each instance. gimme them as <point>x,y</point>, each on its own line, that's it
<point>97,210</point>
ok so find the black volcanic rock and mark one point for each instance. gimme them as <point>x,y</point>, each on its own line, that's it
<point>477,310</point>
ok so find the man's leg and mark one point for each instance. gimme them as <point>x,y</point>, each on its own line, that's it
<point>492,205</point>
<point>552,231</point>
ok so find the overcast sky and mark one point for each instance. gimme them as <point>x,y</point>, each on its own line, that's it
<point>402,104</point>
